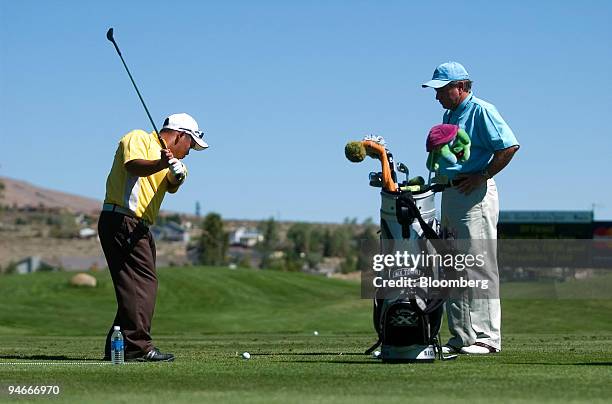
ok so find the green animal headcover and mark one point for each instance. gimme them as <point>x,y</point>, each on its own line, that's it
<point>355,151</point>
<point>457,150</point>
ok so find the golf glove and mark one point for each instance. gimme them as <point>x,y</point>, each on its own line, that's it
<point>176,170</point>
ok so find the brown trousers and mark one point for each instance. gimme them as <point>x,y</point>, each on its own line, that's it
<point>130,253</point>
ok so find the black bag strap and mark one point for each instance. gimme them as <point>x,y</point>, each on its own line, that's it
<point>407,211</point>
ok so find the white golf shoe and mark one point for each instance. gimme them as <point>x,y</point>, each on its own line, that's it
<point>478,348</point>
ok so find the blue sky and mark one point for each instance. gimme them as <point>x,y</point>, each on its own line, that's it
<point>280,86</point>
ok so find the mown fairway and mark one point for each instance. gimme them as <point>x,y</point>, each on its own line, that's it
<point>553,349</point>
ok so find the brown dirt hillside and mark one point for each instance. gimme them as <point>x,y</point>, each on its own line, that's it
<point>21,194</point>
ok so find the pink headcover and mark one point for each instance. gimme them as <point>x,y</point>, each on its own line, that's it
<point>441,134</point>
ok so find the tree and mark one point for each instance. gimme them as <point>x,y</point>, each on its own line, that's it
<point>298,246</point>
<point>369,222</point>
<point>299,237</point>
<point>327,243</point>
<point>340,241</point>
<point>316,241</point>
<point>269,244</point>
<point>214,240</point>
<point>316,246</point>
<point>64,226</point>
<point>244,262</point>
<point>366,241</point>
<point>269,230</point>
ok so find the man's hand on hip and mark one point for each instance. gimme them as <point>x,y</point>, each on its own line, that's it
<point>469,182</point>
<point>500,160</point>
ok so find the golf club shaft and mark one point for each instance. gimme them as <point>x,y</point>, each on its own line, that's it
<point>109,36</point>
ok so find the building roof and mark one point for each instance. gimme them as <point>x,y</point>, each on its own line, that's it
<point>546,216</point>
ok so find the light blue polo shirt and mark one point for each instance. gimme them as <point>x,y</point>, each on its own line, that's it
<point>487,130</point>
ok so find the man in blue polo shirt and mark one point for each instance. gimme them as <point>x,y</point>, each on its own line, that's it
<point>470,207</point>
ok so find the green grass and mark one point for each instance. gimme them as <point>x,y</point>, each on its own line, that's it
<point>190,301</point>
<point>553,349</point>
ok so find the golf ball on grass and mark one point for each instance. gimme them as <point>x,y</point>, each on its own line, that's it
<point>316,333</point>
<point>246,355</point>
<point>376,354</point>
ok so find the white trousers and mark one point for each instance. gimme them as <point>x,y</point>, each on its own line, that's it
<point>473,216</point>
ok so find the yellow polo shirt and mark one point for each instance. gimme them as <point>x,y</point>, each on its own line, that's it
<point>142,195</point>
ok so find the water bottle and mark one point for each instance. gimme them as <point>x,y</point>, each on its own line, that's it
<point>117,348</point>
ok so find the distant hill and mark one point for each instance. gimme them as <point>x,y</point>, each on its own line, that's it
<point>22,194</point>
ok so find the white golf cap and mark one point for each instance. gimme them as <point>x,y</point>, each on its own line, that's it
<point>185,123</point>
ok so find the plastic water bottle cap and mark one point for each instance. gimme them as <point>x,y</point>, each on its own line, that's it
<point>116,328</point>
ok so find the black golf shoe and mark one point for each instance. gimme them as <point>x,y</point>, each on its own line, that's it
<point>153,355</point>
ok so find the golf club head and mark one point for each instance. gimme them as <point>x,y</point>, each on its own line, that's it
<point>109,35</point>
<point>402,168</point>
<point>375,179</point>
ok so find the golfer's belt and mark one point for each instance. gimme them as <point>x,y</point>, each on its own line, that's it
<point>111,207</point>
<point>454,183</point>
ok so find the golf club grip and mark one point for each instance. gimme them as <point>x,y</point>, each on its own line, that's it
<point>161,141</point>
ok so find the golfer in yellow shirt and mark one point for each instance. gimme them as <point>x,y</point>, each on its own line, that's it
<point>142,172</point>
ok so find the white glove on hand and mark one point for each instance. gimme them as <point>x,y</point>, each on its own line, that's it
<point>176,171</point>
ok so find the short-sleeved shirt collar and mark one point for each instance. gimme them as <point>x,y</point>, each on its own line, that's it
<point>459,110</point>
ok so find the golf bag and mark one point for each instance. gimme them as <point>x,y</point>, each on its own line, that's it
<point>408,323</point>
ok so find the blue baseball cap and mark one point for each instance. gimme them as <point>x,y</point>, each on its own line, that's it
<point>445,73</point>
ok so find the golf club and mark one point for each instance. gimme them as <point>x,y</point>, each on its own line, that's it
<point>375,179</point>
<point>109,36</point>
<point>401,167</point>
